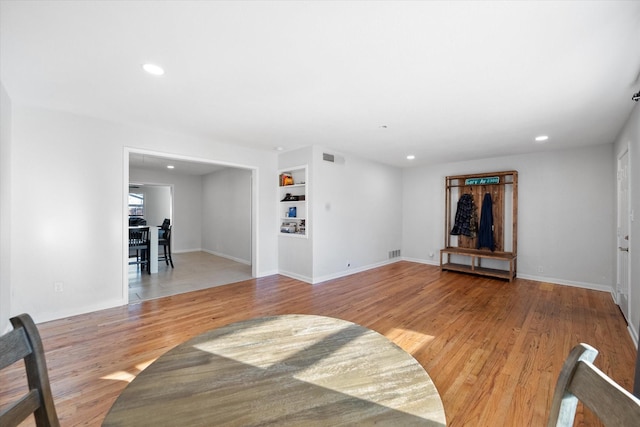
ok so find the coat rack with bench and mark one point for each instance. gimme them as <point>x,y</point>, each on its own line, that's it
<point>461,252</point>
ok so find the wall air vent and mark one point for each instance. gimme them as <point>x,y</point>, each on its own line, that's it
<point>328,157</point>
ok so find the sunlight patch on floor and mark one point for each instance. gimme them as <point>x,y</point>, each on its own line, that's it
<point>407,339</point>
<point>128,376</point>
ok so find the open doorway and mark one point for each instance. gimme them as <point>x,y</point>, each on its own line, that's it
<point>210,207</point>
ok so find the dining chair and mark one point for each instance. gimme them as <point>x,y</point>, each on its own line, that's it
<point>580,380</point>
<point>140,244</point>
<point>24,343</point>
<point>164,240</point>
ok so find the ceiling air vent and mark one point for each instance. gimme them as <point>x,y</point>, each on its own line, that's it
<point>328,157</point>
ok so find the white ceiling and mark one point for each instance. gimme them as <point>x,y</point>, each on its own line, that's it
<point>445,81</point>
<point>184,167</point>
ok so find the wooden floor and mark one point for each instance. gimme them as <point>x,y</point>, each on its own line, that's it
<point>494,349</point>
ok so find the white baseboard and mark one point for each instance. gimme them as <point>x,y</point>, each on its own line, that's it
<point>634,335</point>
<point>184,251</point>
<point>585,285</point>
<point>351,271</point>
<point>49,316</point>
<point>296,276</point>
<point>260,274</point>
<point>422,261</point>
<point>344,273</point>
<point>221,255</point>
<point>240,260</point>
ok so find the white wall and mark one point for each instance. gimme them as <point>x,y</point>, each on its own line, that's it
<point>357,214</point>
<point>226,214</point>
<point>354,216</point>
<point>70,226</point>
<point>630,137</point>
<point>5,209</point>
<point>186,220</point>
<point>566,215</point>
<point>157,203</point>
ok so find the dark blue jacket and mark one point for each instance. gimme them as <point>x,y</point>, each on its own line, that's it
<point>485,231</point>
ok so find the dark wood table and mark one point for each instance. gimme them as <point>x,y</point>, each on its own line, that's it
<point>282,370</point>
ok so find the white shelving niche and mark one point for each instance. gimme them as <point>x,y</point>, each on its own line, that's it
<point>292,202</point>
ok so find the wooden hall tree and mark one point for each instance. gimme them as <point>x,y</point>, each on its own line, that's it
<point>461,252</point>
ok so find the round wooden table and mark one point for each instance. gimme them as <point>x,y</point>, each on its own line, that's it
<point>282,370</point>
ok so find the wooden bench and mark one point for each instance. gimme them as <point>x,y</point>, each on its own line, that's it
<point>475,265</point>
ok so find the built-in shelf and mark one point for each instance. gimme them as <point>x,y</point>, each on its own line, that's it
<point>292,202</point>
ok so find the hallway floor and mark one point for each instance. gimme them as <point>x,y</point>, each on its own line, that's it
<point>193,271</point>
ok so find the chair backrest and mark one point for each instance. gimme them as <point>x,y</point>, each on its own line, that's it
<point>167,234</point>
<point>581,380</point>
<point>23,343</point>
<point>165,224</point>
<point>138,236</point>
<point>136,220</point>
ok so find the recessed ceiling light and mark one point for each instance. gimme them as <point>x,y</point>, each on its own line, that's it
<point>411,157</point>
<point>541,138</point>
<point>170,166</point>
<point>154,69</point>
<point>279,148</point>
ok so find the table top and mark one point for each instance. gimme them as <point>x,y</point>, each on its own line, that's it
<point>282,370</point>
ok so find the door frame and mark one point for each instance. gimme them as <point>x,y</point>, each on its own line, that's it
<point>623,216</point>
<point>174,156</point>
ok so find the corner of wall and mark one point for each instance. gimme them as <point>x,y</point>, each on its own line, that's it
<point>5,208</point>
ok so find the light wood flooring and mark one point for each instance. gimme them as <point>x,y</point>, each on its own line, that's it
<point>192,271</point>
<point>493,349</point>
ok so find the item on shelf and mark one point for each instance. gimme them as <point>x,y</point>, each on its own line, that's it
<point>288,227</point>
<point>289,198</point>
<point>293,212</point>
<point>286,179</point>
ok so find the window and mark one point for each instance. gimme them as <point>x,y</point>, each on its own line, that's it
<point>136,204</point>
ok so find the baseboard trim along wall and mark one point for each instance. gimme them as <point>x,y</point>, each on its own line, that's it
<point>586,285</point>
<point>49,316</point>
<point>305,279</point>
<point>422,261</point>
<point>354,270</point>
<point>344,273</point>
<point>221,255</point>
<point>184,251</point>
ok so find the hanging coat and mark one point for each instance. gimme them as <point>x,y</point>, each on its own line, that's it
<point>464,215</point>
<point>485,231</point>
